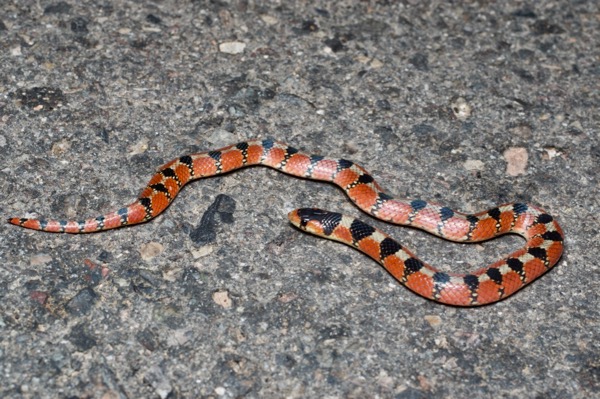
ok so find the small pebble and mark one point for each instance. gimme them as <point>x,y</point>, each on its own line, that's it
<point>462,109</point>
<point>516,161</point>
<point>433,320</point>
<point>222,298</point>
<point>232,47</point>
<point>39,259</point>
<point>474,165</point>
<point>151,250</point>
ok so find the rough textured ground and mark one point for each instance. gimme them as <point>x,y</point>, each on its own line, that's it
<point>220,296</point>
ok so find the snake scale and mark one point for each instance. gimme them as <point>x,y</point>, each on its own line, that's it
<point>543,235</point>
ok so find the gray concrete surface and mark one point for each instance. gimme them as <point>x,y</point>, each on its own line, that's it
<point>220,296</point>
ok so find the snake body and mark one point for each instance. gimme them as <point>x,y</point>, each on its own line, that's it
<point>543,235</point>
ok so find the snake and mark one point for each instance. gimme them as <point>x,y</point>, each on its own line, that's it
<point>544,238</point>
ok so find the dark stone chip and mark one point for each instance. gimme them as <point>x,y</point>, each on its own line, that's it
<point>153,19</point>
<point>82,303</point>
<point>79,25</point>
<point>40,98</point>
<point>543,27</point>
<point>524,13</point>
<point>383,104</point>
<point>59,8</point>
<point>420,62</point>
<point>524,74</point>
<point>424,130</point>
<point>323,12</point>
<point>148,339</point>
<point>309,26</point>
<point>267,94</point>
<point>81,338</point>
<point>335,44</point>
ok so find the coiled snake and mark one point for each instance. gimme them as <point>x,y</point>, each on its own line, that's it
<point>544,237</point>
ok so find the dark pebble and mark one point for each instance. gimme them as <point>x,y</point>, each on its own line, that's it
<point>82,303</point>
<point>79,25</point>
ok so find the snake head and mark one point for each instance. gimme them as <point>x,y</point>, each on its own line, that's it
<point>315,221</point>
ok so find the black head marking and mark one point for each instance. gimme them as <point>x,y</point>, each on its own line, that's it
<point>328,220</point>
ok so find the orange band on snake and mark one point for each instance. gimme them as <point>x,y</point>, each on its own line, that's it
<point>544,237</point>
